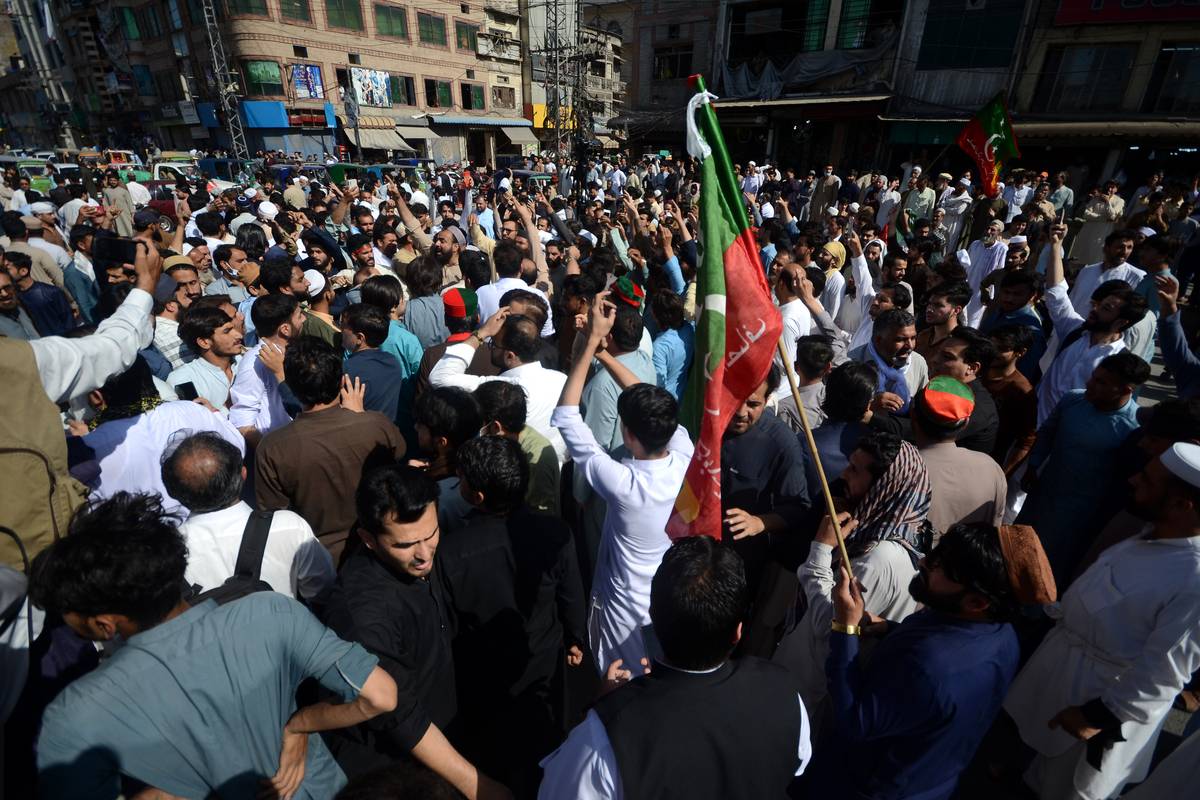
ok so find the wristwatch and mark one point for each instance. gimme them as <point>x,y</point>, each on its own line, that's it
<point>849,630</point>
<point>475,335</point>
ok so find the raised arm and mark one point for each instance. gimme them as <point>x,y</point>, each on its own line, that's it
<point>536,251</point>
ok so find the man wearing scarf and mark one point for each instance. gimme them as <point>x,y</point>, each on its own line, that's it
<point>886,487</point>
<point>902,370</point>
<point>832,258</point>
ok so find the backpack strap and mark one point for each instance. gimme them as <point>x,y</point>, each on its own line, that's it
<point>254,545</point>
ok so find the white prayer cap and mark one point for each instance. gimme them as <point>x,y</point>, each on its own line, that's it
<point>316,282</point>
<point>1183,461</point>
<point>250,193</point>
<point>1018,240</point>
<point>854,208</point>
<point>964,182</point>
<point>832,211</point>
<point>42,208</point>
<point>963,259</point>
<point>268,210</point>
<point>916,170</point>
<point>1147,232</point>
<point>751,164</point>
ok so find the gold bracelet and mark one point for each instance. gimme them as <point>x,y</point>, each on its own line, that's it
<point>849,630</point>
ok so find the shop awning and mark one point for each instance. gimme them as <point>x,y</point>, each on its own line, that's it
<point>1189,131</point>
<point>415,132</point>
<point>377,139</point>
<point>802,101</point>
<point>481,121</point>
<point>519,135</point>
<point>609,142</point>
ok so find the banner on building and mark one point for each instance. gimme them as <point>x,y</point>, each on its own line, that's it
<point>370,87</point>
<point>1083,12</point>
<point>306,82</point>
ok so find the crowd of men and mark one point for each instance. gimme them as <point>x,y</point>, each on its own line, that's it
<point>361,490</point>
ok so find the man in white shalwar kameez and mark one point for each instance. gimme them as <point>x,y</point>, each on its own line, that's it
<point>987,255</point>
<point>640,491</point>
<point>1126,642</point>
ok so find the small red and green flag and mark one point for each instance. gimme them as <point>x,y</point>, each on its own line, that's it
<point>737,328</point>
<point>989,139</point>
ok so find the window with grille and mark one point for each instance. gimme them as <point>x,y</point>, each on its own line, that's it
<point>1174,86</point>
<point>1084,77</point>
<point>466,36</point>
<point>263,78</point>
<point>431,29</point>
<point>295,9</point>
<point>504,97</point>
<point>472,97</point>
<point>672,62</point>
<point>403,91</point>
<point>256,7</point>
<point>438,94</point>
<point>391,21</point>
<point>344,14</point>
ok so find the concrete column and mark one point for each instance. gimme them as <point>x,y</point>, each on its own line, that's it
<point>831,24</point>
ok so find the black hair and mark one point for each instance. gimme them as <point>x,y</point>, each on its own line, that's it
<point>274,276</point>
<point>503,402</point>
<point>201,323</point>
<point>1012,338</point>
<point>271,311</point>
<point>394,492</point>
<point>223,253</point>
<point>1177,420</point>
<point>370,321</point>
<point>813,355</point>
<point>209,223</point>
<point>949,270</point>
<point>450,412</point>
<point>698,597</point>
<point>124,555</point>
<point>957,293</point>
<point>1120,235</point>
<point>627,328</point>
<point>382,291</point>
<point>475,269</point>
<point>253,241</point>
<point>816,276</point>
<point>400,780</point>
<point>356,240</point>
<point>584,286</point>
<point>650,414</point>
<point>891,258</point>
<point>1162,244</point>
<point>19,260</point>
<point>774,378</point>
<point>423,277</point>
<point>1025,278</point>
<point>1127,367</point>
<point>496,467</point>
<point>381,229</point>
<point>536,307</point>
<point>893,320</point>
<point>79,233</point>
<point>667,307</point>
<point>204,473</point>
<point>849,390</point>
<point>507,258</point>
<point>520,336</point>
<point>969,553</point>
<point>979,348</point>
<point>882,447</point>
<point>312,369</point>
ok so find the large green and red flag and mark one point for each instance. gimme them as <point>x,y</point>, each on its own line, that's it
<point>737,328</point>
<point>989,139</point>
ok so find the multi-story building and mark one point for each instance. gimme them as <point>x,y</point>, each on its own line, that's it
<point>37,87</point>
<point>549,30</point>
<point>418,78</point>
<point>602,59</point>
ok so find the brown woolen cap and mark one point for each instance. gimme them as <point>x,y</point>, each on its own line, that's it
<point>1029,571</point>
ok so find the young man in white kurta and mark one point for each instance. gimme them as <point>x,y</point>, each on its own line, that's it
<point>1127,637</point>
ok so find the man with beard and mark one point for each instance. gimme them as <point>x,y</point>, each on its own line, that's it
<point>986,256</point>
<point>1118,247</point>
<point>216,340</point>
<point>902,370</point>
<point>1083,343</point>
<point>448,243</point>
<point>942,311</point>
<point>933,686</point>
<point>764,497</point>
<point>173,302</point>
<point>1092,699</point>
<point>384,244</point>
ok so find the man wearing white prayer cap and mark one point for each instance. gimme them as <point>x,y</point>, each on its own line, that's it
<point>1093,697</point>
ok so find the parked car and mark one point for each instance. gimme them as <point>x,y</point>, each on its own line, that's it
<point>162,200</point>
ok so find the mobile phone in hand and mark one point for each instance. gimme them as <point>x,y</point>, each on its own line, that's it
<point>186,391</point>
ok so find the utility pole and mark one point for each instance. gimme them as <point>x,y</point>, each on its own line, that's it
<point>227,92</point>
<point>555,80</point>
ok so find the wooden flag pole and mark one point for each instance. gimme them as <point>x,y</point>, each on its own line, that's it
<point>812,448</point>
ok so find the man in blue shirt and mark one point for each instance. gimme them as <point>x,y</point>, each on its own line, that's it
<point>200,701</point>
<point>933,686</point>
<point>364,329</point>
<point>45,303</point>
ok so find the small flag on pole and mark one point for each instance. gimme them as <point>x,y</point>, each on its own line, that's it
<point>737,327</point>
<point>989,139</point>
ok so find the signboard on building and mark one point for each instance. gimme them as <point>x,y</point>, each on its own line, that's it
<point>370,87</point>
<point>187,110</point>
<point>306,81</point>
<point>1084,12</point>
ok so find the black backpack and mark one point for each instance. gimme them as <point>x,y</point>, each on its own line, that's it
<point>245,579</point>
